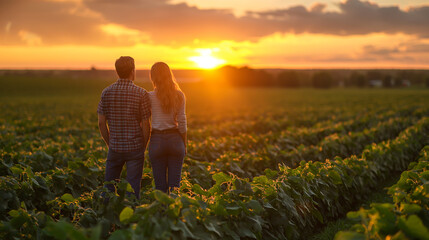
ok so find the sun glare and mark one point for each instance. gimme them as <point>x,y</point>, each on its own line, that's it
<point>206,60</point>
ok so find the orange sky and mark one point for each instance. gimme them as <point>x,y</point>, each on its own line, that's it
<point>63,34</point>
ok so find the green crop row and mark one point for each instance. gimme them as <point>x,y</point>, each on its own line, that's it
<point>213,147</point>
<point>254,164</point>
<point>406,218</point>
<point>263,121</point>
<point>79,177</point>
<point>283,204</point>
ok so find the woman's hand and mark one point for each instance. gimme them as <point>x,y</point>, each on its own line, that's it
<point>185,141</point>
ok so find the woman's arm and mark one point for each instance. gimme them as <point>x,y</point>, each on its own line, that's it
<point>181,121</point>
<point>185,140</point>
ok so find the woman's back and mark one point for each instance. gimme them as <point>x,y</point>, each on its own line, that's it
<point>162,120</point>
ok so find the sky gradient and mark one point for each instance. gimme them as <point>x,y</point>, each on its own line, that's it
<point>78,34</point>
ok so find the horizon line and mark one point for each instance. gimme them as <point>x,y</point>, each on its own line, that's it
<point>214,69</point>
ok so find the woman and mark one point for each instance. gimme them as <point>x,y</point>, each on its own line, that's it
<point>167,146</point>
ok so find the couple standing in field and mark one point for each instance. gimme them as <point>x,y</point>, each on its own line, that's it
<point>129,117</point>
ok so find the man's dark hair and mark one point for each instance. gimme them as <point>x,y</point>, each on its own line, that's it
<point>124,66</point>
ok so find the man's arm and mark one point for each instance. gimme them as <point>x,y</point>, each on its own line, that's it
<point>104,130</point>
<point>146,128</point>
<point>145,111</point>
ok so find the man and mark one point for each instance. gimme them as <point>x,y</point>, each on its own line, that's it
<point>123,120</point>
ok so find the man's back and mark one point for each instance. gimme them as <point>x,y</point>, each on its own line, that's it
<point>125,105</point>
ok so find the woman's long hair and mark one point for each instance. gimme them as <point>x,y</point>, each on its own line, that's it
<point>166,87</point>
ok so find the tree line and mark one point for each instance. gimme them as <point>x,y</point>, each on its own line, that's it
<point>248,77</point>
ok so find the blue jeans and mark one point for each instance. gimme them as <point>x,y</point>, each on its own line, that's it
<point>166,154</point>
<point>134,161</point>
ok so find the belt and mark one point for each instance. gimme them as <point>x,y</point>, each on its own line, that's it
<point>170,130</point>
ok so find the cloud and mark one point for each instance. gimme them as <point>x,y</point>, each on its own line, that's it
<point>30,22</point>
<point>372,50</point>
<point>30,38</point>
<point>417,48</point>
<point>166,22</point>
<point>400,49</point>
<point>127,22</point>
<point>354,18</point>
<point>170,23</point>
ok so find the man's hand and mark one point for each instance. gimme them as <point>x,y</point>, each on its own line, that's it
<point>145,124</point>
<point>104,130</point>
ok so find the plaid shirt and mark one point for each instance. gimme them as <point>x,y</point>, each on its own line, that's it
<point>125,105</point>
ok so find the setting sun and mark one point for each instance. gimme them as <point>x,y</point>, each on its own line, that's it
<point>206,60</point>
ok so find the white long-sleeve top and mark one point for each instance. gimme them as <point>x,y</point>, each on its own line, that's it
<point>162,120</point>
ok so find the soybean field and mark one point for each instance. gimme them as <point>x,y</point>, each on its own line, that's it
<point>262,163</point>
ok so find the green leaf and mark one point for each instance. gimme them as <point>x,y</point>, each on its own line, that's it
<point>410,208</point>
<point>199,190</point>
<point>126,214</point>
<point>245,231</point>
<point>354,215</point>
<point>243,187</point>
<point>162,197</point>
<point>64,230</point>
<point>270,173</point>
<point>255,205</point>
<point>221,178</point>
<point>129,188</point>
<point>213,228</point>
<point>414,227</point>
<point>261,180</point>
<point>335,176</point>
<point>317,214</point>
<point>16,170</point>
<point>14,213</point>
<point>343,235</point>
<point>187,234</point>
<point>29,172</point>
<point>385,219</point>
<point>121,234</point>
<point>96,232</point>
<point>67,197</point>
<point>399,236</point>
<point>23,206</point>
<point>219,209</point>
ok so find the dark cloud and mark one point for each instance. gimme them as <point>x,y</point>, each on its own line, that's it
<point>181,23</point>
<point>47,22</point>
<point>417,48</point>
<point>402,52</point>
<point>379,51</point>
<point>403,49</point>
<point>354,18</point>
<point>53,22</point>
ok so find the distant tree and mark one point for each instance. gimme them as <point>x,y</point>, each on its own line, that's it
<point>358,80</point>
<point>245,76</point>
<point>397,82</point>
<point>226,73</point>
<point>374,75</point>
<point>410,75</point>
<point>322,79</point>
<point>418,79</point>
<point>387,81</point>
<point>427,82</point>
<point>288,79</point>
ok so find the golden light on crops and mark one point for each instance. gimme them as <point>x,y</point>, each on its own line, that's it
<point>206,60</point>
